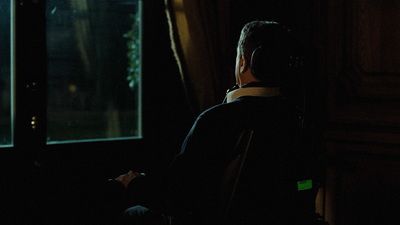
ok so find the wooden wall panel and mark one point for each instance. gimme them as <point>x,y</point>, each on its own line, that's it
<point>363,184</point>
<point>363,55</point>
<point>362,58</point>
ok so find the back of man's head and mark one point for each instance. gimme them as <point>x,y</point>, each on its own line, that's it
<point>269,47</point>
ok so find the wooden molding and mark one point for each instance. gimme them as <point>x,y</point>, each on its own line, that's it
<point>363,51</point>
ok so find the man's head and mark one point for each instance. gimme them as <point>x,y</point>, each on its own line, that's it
<point>263,53</point>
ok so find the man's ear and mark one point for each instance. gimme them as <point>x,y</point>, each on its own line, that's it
<point>243,64</point>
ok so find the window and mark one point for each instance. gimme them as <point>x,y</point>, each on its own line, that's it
<point>93,61</point>
<point>93,70</point>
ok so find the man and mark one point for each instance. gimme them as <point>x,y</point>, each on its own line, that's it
<point>263,102</point>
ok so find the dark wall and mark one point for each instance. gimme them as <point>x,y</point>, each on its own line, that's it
<point>363,141</point>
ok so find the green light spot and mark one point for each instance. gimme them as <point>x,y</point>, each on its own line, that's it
<point>304,185</point>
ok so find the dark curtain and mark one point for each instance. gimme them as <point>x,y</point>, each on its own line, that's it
<point>200,38</point>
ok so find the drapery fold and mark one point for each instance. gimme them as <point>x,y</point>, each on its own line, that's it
<point>200,40</point>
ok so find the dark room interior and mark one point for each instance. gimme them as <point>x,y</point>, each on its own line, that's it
<point>352,78</point>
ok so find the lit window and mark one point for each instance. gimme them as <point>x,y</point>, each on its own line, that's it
<point>93,70</point>
<point>93,66</point>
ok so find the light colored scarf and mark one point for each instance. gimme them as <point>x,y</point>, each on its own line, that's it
<point>252,91</point>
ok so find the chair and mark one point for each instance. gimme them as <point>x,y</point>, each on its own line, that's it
<point>232,173</point>
<point>230,178</point>
<point>304,185</point>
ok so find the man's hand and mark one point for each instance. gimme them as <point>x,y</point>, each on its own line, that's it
<point>124,179</point>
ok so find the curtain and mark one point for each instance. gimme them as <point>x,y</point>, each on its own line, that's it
<point>200,37</point>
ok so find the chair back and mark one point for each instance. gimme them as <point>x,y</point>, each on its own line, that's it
<point>294,181</point>
<point>232,173</point>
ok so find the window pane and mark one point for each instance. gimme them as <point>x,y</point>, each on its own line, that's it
<point>93,50</point>
<point>5,71</point>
